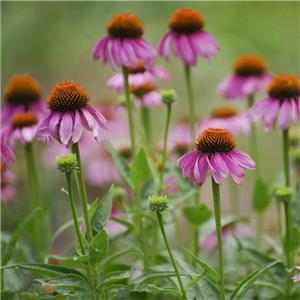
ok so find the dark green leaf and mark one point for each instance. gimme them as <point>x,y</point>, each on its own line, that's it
<point>115,277</point>
<point>140,170</point>
<point>247,282</point>
<point>98,247</point>
<point>197,215</point>
<point>122,166</point>
<point>68,262</point>
<point>295,239</point>
<point>154,275</point>
<point>103,211</point>
<point>121,253</point>
<point>261,196</point>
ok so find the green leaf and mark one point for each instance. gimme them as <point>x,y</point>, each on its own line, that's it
<point>98,247</point>
<point>154,275</point>
<point>122,166</point>
<point>261,196</point>
<point>295,239</point>
<point>271,286</point>
<point>114,277</point>
<point>247,282</point>
<point>9,248</point>
<point>103,211</point>
<point>68,262</point>
<point>194,281</point>
<point>197,215</point>
<point>211,273</point>
<point>152,289</point>
<point>44,269</point>
<point>140,170</point>
<point>121,253</point>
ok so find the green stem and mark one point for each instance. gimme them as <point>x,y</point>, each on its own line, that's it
<point>82,191</point>
<point>161,225</point>
<point>129,109</point>
<point>187,72</point>
<point>35,196</point>
<point>217,208</point>
<point>146,121</point>
<point>164,155</point>
<point>287,211</point>
<point>79,237</point>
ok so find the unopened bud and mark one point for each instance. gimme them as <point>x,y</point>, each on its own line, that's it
<point>158,203</point>
<point>168,96</point>
<point>67,164</point>
<point>283,193</point>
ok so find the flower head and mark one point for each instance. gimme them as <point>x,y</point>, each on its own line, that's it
<point>148,95</point>
<point>228,118</point>
<point>23,127</point>
<point>22,93</point>
<point>158,203</point>
<point>138,76</point>
<point>69,114</point>
<point>168,96</point>
<point>187,37</point>
<point>281,105</point>
<point>67,164</point>
<point>215,153</point>
<point>249,77</point>
<point>124,45</point>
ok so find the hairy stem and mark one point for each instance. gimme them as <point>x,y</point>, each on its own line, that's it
<point>82,192</point>
<point>129,109</point>
<point>161,225</point>
<point>217,209</point>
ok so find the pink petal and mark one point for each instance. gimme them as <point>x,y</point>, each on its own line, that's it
<point>185,50</point>
<point>203,168</point>
<point>285,115</point>
<point>243,159</point>
<point>98,50</point>
<point>218,164</point>
<point>165,45</point>
<point>78,128</point>
<point>66,128</point>
<point>234,169</point>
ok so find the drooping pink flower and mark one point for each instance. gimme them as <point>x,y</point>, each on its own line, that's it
<point>215,154</point>
<point>282,104</point>
<point>22,93</point>
<point>23,127</point>
<point>296,278</point>
<point>138,76</point>
<point>70,114</point>
<point>226,118</point>
<point>124,44</point>
<point>147,95</point>
<point>187,39</point>
<point>6,152</point>
<point>249,77</point>
<point>8,180</point>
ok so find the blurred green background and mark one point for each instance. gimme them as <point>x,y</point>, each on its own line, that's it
<point>54,40</point>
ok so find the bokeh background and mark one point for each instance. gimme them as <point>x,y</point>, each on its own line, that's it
<point>53,41</point>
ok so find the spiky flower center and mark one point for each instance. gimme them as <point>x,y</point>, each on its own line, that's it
<point>224,112</point>
<point>214,140</point>
<point>67,96</point>
<point>284,87</point>
<point>124,26</point>
<point>249,65</point>
<point>22,89</point>
<point>24,119</point>
<point>186,21</point>
<point>141,90</point>
<point>139,68</point>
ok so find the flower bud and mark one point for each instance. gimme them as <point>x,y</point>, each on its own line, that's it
<point>123,100</point>
<point>283,193</point>
<point>168,96</point>
<point>67,164</point>
<point>158,203</point>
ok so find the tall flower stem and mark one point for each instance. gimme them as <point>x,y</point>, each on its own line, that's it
<point>188,79</point>
<point>82,191</point>
<point>217,209</point>
<point>161,225</point>
<point>146,121</point>
<point>164,155</point>
<point>35,197</point>
<point>287,210</point>
<point>77,229</point>
<point>129,109</point>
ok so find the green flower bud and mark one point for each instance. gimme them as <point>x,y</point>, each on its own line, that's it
<point>67,164</point>
<point>296,157</point>
<point>283,193</point>
<point>294,138</point>
<point>123,100</point>
<point>168,96</point>
<point>158,203</point>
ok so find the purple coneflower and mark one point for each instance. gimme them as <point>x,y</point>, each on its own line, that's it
<point>70,113</point>
<point>249,77</point>
<point>124,45</point>
<point>138,76</point>
<point>187,38</point>
<point>215,154</point>
<point>23,128</point>
<point>282,103</point>
<point>148,94</point>
<point>6,152</point>
<point>226,118</point>
<point>22,93</point>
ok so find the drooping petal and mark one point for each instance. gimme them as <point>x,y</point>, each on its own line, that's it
<point>215,172</point>
<point>183,159</point>
<point>54,125</point>
<point>285,116</point>
<point>165,45</point>
<point>185,50</point>
<point>66,128</point>
<point>271,114</point>
<point>234,169</point>
<point>203,168</point>
<point>99,49</point>
<point>218,164</point>
<point>77,128</point>
<point>242,159</point>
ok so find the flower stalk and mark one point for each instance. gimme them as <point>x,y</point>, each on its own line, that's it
<point>82,191</point>
<point>217,209</point>
<point>146,121</point>
<point>129,110</point>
